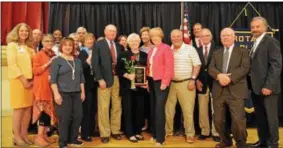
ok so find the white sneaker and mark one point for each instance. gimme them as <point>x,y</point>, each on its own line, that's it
<point>157,144</point>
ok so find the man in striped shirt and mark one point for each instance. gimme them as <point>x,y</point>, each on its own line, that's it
<point>186,68</point>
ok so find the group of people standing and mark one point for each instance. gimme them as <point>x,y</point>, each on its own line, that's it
<point>66,80</point>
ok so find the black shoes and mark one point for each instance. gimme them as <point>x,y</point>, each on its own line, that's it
<point>202,137</point>
<point>76,143</point>
<point>117,136</point>
<point>87,139</point>
<point>105,139</point>
<point>216,138</point>
<point>258,144</point>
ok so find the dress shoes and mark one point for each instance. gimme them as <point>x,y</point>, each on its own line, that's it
<point>117,136</point>
<point>202,137</point>
<point>223,145</point>
<point>258,144</point>
<point>216,138</point>
<point>105,139</point>
<point>87,139</point>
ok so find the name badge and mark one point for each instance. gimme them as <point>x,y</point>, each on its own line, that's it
<point>21,50</point>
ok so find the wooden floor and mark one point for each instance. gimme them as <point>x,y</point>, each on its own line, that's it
<point>7,136</point>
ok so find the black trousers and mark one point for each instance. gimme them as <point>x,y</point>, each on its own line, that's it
<point>44,119</point>
<point>157,104</point>
<point>89,112</point>
<point>133,111</point>
<point>70,116</point>
<point>147,108</point>
<point>236,108</point>
<point>266,111</point>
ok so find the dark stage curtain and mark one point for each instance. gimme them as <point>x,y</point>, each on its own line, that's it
<point>218,15</point>
<point>128,17</point>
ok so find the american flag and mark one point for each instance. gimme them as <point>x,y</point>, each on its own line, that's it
<point>186,27</point>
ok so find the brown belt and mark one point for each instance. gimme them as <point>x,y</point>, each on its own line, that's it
<point>180,81</point>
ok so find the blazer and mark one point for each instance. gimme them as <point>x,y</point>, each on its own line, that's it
<point>89,78</point>
<point>102,62</point>
<point>238,67</point>
<point>125,83</point>
<point>163,64</point>
<point>266,66</point>
<point>19,61</point>
<point>203,76</point>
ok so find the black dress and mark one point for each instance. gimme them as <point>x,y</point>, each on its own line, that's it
<point>132,100</point>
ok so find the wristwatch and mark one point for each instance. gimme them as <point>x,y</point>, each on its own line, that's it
<point>193,78</point>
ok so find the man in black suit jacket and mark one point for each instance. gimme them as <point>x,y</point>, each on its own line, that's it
<point>104,60</point>
<point>229,67</point>
<point>266,64</point>
<point>204,85</point>
<point>196,42</point>
<point>36,38</point>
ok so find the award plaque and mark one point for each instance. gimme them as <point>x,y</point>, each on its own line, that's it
<point>140,73</point>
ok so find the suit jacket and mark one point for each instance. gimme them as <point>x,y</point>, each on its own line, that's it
<point>203,76</point>
<point>238,67</point>
<point>163,64</point>
<point>266,66</point>
<point>102,62</point>
<point>89,78</point>
<point>125,84</point>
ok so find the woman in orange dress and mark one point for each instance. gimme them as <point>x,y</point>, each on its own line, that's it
<point>43,110</point>
<point>19,59</point>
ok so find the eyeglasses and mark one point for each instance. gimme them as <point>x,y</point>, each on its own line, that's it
<point>48,41</point>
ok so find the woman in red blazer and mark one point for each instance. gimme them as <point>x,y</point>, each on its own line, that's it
<point>160,65</point>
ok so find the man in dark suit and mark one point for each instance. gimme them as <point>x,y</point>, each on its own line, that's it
<point>229,67</point>
<point>104,60</point>
<point>204,85</point>
<point>266,64</point>
<point>196,42</point>
<point>36,38</point>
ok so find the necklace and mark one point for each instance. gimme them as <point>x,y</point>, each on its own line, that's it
<point>73,68</point>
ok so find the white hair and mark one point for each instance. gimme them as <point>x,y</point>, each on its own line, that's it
<point>83,28</point>
<point>133,36</point>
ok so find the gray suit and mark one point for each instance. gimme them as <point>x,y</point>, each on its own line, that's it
<point>265,72</point>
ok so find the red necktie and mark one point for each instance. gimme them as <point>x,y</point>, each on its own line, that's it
<point>113,57</point>
<point>205,51</point>
<point>112,52</point>
<point>199,43</point>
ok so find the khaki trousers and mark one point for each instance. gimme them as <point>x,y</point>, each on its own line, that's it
<point>186,98</point>
<point>203,102</point>
<point>104,97</point>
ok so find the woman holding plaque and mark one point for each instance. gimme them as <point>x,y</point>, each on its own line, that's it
<point>160,66</point>
<point>132,87</point>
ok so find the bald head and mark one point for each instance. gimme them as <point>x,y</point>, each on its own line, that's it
<point>227,36</point>
<point>110,32</point>
<point>36,35</point>
<point>176,38</point>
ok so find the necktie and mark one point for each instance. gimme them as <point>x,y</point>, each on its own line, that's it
<point>112,52</point>
<point>225,60</point>
<point>251,54</point>
<point>199,43</point>
<point>205,53</point>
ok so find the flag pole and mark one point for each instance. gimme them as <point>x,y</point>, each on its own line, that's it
<point>182,12</point>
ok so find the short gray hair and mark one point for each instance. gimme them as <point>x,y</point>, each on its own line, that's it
<point>133,36</point>
<point>228,29</point>
<point>206,29</point>
<point>262,19</point>
<point>83,28</point>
